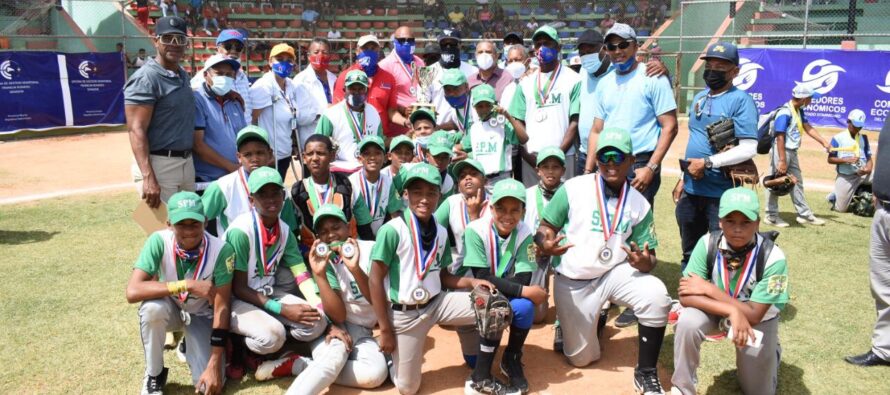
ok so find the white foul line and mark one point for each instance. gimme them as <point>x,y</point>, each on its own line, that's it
<point>69,192</point>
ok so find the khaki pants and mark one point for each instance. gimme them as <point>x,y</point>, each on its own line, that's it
<point>173,175</point>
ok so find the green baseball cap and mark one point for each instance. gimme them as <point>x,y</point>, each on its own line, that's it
<point>456,169</point>
<point>453,77</point>
<point>251,131</point>
<point>422,113</point>
<point>262,176</point>
<point>741,199</point>
<point>441,137</point>
<point>328,210</point>
<point>372,139</point>
<point>551,152</point>
<point>439,149</point>
<point>547,30</point>
<point>423,171</point>
<point>399,140</point>
<point>616,138</point>
<point>482,93</point>
<point>356,77</point>
<point>508,188</point>
<point>185,205</point>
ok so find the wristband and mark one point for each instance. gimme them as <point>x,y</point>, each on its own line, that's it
<point>303,277</point>
<point>177,287</point>
<point>272,306</point>
<point>218,337</point>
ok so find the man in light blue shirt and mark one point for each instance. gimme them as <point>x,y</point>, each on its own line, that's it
<point>628,99</point>
<point>851,153</point>
<point>219,115</point>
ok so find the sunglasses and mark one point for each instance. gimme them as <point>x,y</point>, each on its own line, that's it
<point>406,40</point>
<point>615,157</point>
<point>621,45</point>
<point>173,39</point>
<point>233,46</point>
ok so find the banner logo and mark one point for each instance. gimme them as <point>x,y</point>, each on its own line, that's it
<point>747,74</point>
<point>10,69</point>
<point>886,87</point>
<point>87,69</point>
<point>821,75</point>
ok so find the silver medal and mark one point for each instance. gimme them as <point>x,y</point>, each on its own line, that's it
<point>347,250</point>
<point>493,122</point>
<point>501,118</point>
<point>605,254</point>
<point>420,295</point>
<point>266,290</point>
<point>322,249</point>
<point>186,317</point>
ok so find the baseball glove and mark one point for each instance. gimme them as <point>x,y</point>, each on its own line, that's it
<point>721,134</point>
<point>493,312</point>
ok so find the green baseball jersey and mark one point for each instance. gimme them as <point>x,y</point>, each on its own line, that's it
<point>491,145</point>
<point>453,215</point>
<point>380,197</point>
<point>506,256</point>
<point>347,128</point>
<point>227,198</point>
<point>358,307</point>
<point>244,238</point>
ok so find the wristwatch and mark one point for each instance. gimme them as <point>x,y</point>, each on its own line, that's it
<point>652,166</point>
<point>708,163</point>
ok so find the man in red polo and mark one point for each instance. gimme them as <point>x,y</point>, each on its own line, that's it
<point>381,92</point>
<point>402,63</point>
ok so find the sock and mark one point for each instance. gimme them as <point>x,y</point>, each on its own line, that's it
<point>650,340</point>
<point>470,360</point>
<point>487,349</point>
<point>516,340</point>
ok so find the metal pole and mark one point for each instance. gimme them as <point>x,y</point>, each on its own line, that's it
<point>680,45</point>
<point>806,22</point>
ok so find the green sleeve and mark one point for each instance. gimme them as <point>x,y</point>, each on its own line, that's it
<point>456,137</point>
<point>225,266</point>
<point>361,212</point>
<point>467,143</point>
<point>474,250</point>
<point>397,180</point>
<point>380,129</point>
<point>644,232</point>
<point>214,201</point>
<point>517,106</point>
<point>575,99</point>
<point>324,127</point>
<point>557,210</point>
<point>149,260</point>
<point>332,278</point>
<point>525,257</point>
<point>395,202</point>
<point>773,287</point>
<point>510,135</point>
<point>446,259</point>
<point>698,260</point>
<point>292,256</point>
<point>385,247</point>
<point>241,244</point>
<point>442,213</point>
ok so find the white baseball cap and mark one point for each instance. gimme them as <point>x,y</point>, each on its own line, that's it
<point>622,30</point>
<point>857,118</point>
<point>802,91</point>
<point>368,38</point>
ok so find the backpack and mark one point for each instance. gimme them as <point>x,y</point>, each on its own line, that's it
<point>765,131</point>
<point>766,247</point>
<point>862,203</point>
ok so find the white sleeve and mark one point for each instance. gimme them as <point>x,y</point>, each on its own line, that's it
<point>746,149</point>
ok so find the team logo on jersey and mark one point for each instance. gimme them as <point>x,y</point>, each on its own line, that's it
<point>747,74</point>
<point>230,263</point>
<point>87,69</point>
<point>10,69</point>
<point>777,284</point>
<point>532,252</point>
<point>821,75</point>
<point>886,87</point>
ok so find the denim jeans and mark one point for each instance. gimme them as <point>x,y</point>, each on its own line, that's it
<point>640,161</point>
<point>696,216</point>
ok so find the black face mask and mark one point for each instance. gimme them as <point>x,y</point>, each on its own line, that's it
<point>715,79</point>
<point>450,57</point>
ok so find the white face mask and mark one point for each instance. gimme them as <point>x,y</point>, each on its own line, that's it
<point>222,85</point>
<point>515,69</point>
<point>484,61</point>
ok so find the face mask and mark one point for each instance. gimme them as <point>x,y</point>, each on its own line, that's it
<point>368,60</point>
<point>423,141</point>
<point>450,57</point>
<point>484,61</point>
<point>356,100</point>
<point>591,62</point>
<point>222,85</point>
<point>715,79</point>
<point>623,67</point>
<point>404,51</point>
<point>506,51</point>
<point>282,69</point>
<point>547,55</point>
<point>320,62</point>
<point>516,70</point>
<point>457,101</point>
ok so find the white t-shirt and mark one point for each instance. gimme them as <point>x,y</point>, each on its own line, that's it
<point>308,80</point>
<point>342,124</point>
<point>292,108</point>
<point>547,119</point>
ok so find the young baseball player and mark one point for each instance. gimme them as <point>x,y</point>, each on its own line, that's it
<point>349,121</point>
<point>265,312</point>
<point>374,186</point>
<point>491,136</point>
<point>745,283</point>
<point>610,250</point>
<point>227,198</point>
<point>401,152</point>
<point>406,283</point>
<point>851,153</point>
<point>500,249</point>
<point>183,279</point>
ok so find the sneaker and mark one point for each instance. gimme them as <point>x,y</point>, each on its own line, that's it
<point>626,319</point>
<point>511,366</point>
<point>489,386</point>
<point>775,221</point>
<point>646,382</point>
<point>812,220</point>
<point>286,366</point>
<point>154,385</point>
<point>674,314</point>
<point>601,323</point>
<point>180,351</point>
<point>716,337</point>
<point>557,337</point>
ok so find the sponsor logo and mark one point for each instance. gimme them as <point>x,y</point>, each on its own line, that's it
<point>821,75</point>
<point>747,74</point>
<point>87,69</point>
<point>886,87</point>
<point>10,69</point>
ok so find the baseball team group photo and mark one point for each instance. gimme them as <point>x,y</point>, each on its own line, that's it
<point>498,197</point>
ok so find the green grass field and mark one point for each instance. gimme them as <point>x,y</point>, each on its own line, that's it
<point>65,326</point>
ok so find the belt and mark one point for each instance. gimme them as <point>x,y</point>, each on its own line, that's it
<point>412,307</point>
<point>173,153</point>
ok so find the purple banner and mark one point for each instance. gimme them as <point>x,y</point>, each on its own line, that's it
<point>846,80</point>
<point>96,83</point>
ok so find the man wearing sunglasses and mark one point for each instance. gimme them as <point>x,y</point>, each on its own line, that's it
<point>403,64</point>
<point>160,110</point>
<point>230,43</point>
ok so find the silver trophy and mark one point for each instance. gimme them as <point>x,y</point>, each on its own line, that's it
<point>425,77</point>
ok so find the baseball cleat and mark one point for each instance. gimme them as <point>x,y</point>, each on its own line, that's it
<point>777,222</point>
<point>286,366</point>
<point>489,386</point>
<point>511,366</point>
<point>180,351</point>
<point>646,382</point>
<point>154,385</point>
<point>626,319</point>
<point>557,337</point>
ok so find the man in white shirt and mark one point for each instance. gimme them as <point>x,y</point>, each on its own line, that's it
<point>318,81</point>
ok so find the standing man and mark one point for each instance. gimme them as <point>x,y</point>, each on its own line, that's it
<point>516,66</point>
<point>704,182</point>
<point>403,64</point>
<point>790,121</point>
<point>879,263</point>
<point>547,102</point>
<point>160,110</point>
<point>318,80</point>
<point>381,83</point>
<point>230,43</point>
<point>851,153</point>
<point>449,42</point>
<point>489,72</point>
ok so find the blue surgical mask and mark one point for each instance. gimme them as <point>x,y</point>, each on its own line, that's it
<point>547,55</point>
<point>457,101</point>
<point>626,65</point>
<point>591,62</point>
<point>356,100</point>
<point>422,141</point>
<point>282,69</point>
<point>404,51</point>
<point>368,60</point>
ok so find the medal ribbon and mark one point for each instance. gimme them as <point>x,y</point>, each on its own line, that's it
<point>372,199</point>
<point>494,251</point>
<point>462,121</point>
<point>541,94</point>
<point>243,176</point>
<point>319,199</point>
<point>409,71</point>
<point>539,202</point>
<point>202,261</point>
<point>423,260</point>
<point>743,276</point>
<point>266,265</point>
<point>609,227</point>
<point>358,133</point>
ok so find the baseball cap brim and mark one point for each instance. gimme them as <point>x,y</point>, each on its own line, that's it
<point>856,123</point>
<point>437,150</point>
<point>557,153</point>
<point>250,132</point>
<point>456,169</point>
<point>724,211</point>
<point>399,140</point>
<point>328,210</point>
<point>215,60</point>
<point>178,217</point>
<point>422,114</point>
<point>365,143</point>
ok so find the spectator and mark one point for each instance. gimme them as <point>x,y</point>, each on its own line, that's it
<point>124,58</point>
<point>851,153</point>
<point>318,80</point>
<point>606,23</point>
<point>209,14</point>
<point>402,64</point>
<point>485,17</point>
<point>140,59</point>
<point>380,90</point>
<point>489,72</point>
<point>310,17</point>
<point>160,111</point>
<point>456,16</point>
<point>334,34</point>
<point>531,26</point>
<point>219,114</point>
<point>230,43</point>
<point>168,6</point>
<point>142,12</point>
